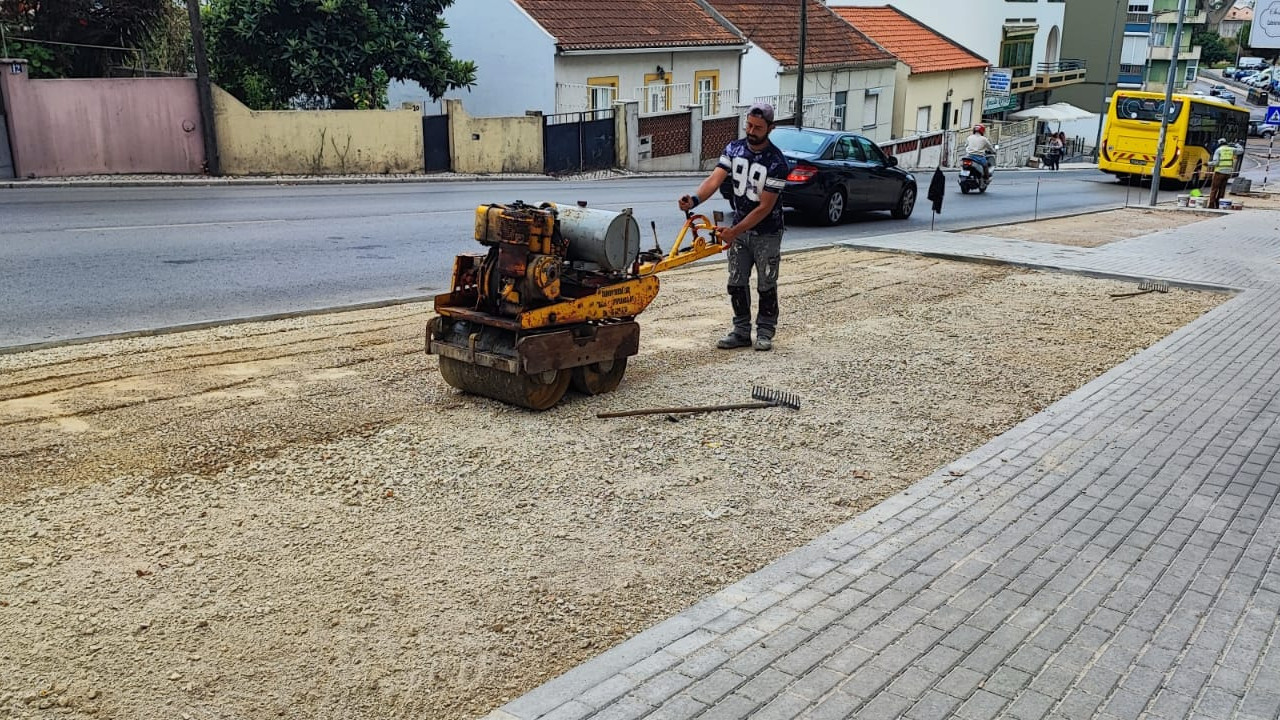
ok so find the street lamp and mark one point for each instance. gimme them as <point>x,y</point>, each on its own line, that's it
<point>1168,103</point>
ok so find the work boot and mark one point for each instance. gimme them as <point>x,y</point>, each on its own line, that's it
<point>764,343</point>
<point>733,340</point>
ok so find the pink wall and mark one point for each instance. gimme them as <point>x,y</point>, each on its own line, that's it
<point>102,126</point>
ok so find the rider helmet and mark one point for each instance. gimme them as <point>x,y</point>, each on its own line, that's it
<point>980,129</point>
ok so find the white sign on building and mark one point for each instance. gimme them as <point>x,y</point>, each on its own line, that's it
<point>997,97</point>
<point>1265,32</point>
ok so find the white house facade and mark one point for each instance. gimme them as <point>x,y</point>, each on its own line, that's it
<point>1024,37</point>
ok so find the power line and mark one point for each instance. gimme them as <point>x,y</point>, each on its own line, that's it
<point>71,44</point>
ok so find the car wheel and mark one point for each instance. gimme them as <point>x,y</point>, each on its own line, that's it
<point>832,208</point>
<point>906,203</point>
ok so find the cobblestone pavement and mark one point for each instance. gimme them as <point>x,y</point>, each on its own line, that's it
<point>1114,556</point>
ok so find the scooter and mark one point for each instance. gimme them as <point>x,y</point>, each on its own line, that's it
<point>972,176</point>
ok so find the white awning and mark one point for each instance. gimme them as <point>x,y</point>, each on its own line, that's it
<point>1057,112</point>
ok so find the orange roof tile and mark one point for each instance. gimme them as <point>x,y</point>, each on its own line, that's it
<point>595,25</point>
<point>775,27</point>
<point>922,48</point>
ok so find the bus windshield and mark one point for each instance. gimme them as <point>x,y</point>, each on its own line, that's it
<point>1139,108</point>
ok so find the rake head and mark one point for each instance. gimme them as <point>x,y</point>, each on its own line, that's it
<point>1154,286</point>
<point>775,397</point>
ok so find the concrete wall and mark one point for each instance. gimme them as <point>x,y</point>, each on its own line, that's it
<point>760,74</point>
<point>515,58</point>
<point>493,144</point>
<point>1093,31</point>
<point>101,126</point>
<point>315,142</point>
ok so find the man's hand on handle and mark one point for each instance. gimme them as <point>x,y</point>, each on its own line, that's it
<point>727,235</point>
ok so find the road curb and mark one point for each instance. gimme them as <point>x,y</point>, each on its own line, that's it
<point>399,180</point>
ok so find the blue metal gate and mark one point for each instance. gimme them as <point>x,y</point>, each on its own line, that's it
<point>579,141</point>
<point>435,143</point>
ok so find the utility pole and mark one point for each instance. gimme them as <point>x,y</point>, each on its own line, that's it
<point>804,23</point>
<point>204,91</point>
<point>1168,104</point>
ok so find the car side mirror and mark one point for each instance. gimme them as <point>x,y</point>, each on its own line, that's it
<point>892,161</point>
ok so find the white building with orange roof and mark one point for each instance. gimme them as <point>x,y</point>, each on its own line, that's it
<point>940,83</point>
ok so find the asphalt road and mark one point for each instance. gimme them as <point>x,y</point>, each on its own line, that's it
<point>78,262</point>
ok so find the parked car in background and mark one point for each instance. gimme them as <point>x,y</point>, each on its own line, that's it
<point>834,173</point>
<point>1228,71</point>
<point>1257,128</point>
<point>1216,90</point>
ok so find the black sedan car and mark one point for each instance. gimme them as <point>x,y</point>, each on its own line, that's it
<point>834,173</point>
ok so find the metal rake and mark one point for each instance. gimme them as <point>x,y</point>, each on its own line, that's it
<point>1144,287</point>
<point>764,397</point>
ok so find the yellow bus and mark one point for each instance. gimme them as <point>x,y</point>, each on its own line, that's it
<point>1196,122</point>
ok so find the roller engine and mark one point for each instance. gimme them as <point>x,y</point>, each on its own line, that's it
<point>552,303</point>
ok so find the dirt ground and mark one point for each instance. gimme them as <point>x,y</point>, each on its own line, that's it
<point>1097,229</point>
<point>299,519</point>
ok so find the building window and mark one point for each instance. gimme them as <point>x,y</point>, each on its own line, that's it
<point>871,110</point>
<point>706,84</point>
<point>1015,52</point>
<point>842,101</point>
<point>1193,69</point>
<point>657,93</point>
<point>601,92</point>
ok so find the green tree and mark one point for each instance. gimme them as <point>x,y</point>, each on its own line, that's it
<point>80,38</point>
<point>1242,38</point>
<point>1213,48</point>
<point>169,49</point>
<point>276,54</point>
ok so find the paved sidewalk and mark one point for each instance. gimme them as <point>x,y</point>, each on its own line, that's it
<point>1114,556</point>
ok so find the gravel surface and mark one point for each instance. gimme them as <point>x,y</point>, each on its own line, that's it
<point>300,519</point>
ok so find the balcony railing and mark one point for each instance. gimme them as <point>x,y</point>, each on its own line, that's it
<point>576,97</point>
<point>1058,74</point>
<point>653,99</point>
<point>656,99</point>
<point>819,111</point>
<point>1165,53</point>
<point>1171,18</point>
<point>718,103</point>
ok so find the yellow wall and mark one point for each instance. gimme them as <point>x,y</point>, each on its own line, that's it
<point>315,142</point>
<point>494,145</point>
<point>931,89</point>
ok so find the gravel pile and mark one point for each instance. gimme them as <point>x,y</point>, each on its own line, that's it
<point>300,519</point>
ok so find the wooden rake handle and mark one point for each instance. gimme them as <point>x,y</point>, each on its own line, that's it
<point>690,409</point>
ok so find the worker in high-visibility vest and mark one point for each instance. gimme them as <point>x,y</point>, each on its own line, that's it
<point>1224,164</point>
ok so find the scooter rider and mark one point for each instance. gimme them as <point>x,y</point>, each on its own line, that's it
<point>979,147</point>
